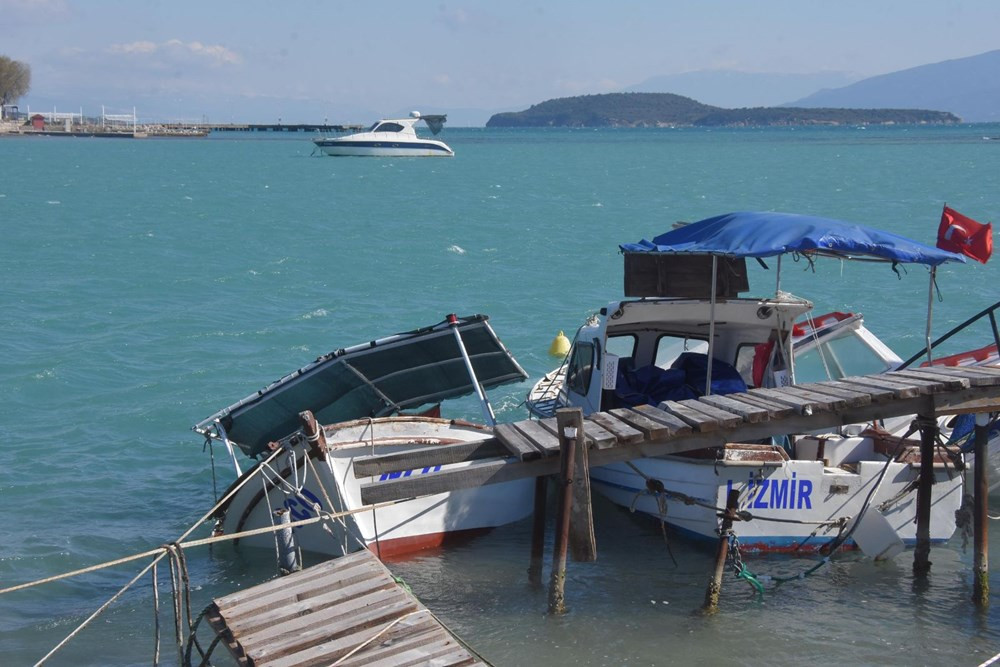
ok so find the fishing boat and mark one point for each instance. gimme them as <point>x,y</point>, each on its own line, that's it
<point>806,491</point>
<point>309,430</point>
<point>390,138</point>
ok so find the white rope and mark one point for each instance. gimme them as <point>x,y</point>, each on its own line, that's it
<point>990,661</point>
<point>377,635</point>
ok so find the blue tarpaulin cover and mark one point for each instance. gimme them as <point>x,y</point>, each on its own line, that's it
<point>766,234</point>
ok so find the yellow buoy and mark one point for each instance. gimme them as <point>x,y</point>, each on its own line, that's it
<point>560,345</point>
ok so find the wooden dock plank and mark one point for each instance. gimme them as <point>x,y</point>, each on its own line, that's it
<point>853,398</point>
<point>820,401</point>
<point>775,411</point>
<point>875,394</point>
<point>899,391</point>
<point>598,436</point>
<point>625,433</point>
<point>929,386</point>
<point>752,414</point>
<point>697,419</point>
<point>372,466</point>
<point>676,425</point>
<point>803,404</point>
<point>302,584</point>
<point>516,443</point>
<point>725,418</point>
<point>376,618</point>
<point>593,434</point>
<point>539,435</point>
<point>950,382</point>
<point>651,429</point>
<point>972,374</point>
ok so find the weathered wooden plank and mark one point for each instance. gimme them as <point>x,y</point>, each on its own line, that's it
<point>804,405</point>
<point>307,631</point>
<point>430,456</point>
<point>542,436</point>
<point>698,420</point>
<point>293,607</point>
<point>853,398</point>
<point>751,414</point>
<point>676,425</point>
<point>651,429</point>
<point>310,581</point>
<point>821,402</point>
<point>726,418</point>
<point>930,386</point>
<point>876,394</point>
<point>593,433</point>
<point>516,443</point>
<point>625,433</point>
<point>972,374</point>
<point>337,617</point>
<point>419,629</point>
<point>898,390</point>
<point>775,411</point>
<point>950,382</point>
<point>598,436</point>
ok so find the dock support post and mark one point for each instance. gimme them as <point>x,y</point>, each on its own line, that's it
<point>538,532</point>
<point>922,553</point>
<point>567,420</point>
<point>981,559</point>
<point>722,552</point>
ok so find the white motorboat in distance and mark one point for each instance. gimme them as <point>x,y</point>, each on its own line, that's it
<point>390,138</point>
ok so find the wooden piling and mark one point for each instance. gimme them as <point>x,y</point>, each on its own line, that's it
<point>980,564</point>
<point>922,552</point>
<point>722,551</point>
<point>538,532</point>
<point>567,420</point>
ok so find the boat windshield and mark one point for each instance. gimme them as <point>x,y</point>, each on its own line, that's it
<point>386,127</point>
<point>844,355</point>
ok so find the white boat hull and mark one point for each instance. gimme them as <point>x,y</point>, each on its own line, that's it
<point>341,148</point>
<point>389,531</point>
<point>806,498</point>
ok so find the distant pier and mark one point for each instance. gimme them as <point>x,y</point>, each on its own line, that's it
<point>273,127</point>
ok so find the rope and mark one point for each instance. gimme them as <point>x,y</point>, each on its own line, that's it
<point>156,618</point>
<point>377,635</point>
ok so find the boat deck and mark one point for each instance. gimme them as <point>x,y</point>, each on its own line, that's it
<point>348,611</point>
<point>530,448</point>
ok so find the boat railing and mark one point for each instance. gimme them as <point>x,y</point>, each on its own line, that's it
<point>988,312</point>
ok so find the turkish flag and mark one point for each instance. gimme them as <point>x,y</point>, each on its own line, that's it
<point>957,233</point>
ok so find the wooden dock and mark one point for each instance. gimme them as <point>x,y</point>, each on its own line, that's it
<point>531,448</point>
<point>348,611</point>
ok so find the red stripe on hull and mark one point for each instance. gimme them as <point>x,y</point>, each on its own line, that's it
<point>402,547</point>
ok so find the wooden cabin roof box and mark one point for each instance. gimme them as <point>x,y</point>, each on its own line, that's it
<point>650,274</point>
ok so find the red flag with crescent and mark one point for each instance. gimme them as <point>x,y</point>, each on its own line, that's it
<point>958,233</point>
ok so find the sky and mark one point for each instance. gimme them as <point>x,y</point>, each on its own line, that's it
<point>353,62</point>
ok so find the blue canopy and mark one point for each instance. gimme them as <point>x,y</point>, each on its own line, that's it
<point>766,234</point>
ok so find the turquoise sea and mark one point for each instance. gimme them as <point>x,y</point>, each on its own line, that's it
<point>145,284</point>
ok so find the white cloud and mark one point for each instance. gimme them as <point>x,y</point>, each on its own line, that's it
<point>174,48</point>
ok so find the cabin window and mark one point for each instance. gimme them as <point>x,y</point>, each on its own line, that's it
<point>581,364</point>
<point>388,127</point>
<point>668,348</point>
<point>622,347</point>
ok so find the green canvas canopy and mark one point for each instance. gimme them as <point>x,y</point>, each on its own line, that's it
<point>374,379</point>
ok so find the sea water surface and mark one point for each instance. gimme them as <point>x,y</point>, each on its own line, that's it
<point>145,284</point>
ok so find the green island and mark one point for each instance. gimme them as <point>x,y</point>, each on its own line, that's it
<point>669,110</point>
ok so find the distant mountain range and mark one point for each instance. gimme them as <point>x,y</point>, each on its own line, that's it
<point>731,89</point>
<point>968,87</point>
<point>666,109</point>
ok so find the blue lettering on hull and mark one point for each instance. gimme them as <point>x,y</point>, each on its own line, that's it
<point>407,473</point>
<point>778,494</point>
